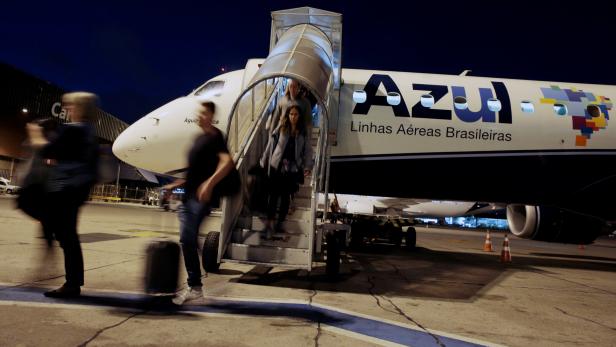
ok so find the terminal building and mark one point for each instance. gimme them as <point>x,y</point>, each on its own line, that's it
<point>25,98</point>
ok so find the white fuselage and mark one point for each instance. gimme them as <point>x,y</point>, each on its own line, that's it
<point>416,130</point>
<point>159,141</point>
<point>528,142</point>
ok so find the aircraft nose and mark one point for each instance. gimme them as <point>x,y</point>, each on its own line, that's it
<point>127,145</point>
<point>164,130</point>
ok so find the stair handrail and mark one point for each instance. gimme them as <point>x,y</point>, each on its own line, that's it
<point>232,206</point>
<point>318,175</point>
<point>241,150</point>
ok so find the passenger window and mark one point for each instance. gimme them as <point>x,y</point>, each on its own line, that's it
<point>427,100</point>
<point>460,103</point>
<point>593,111</point>
<point>393,98</point>
<point>212,88</point>
<point>527,106</point>
<point>494,105</point>
<point>359,96</point>
<point>560,109</point>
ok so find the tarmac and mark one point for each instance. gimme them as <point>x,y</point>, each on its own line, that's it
<point>447,292</point>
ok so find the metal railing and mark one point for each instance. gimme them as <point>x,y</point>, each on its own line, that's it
<point>318,177</point>
<point>246,141</point>
<point>246,112</point>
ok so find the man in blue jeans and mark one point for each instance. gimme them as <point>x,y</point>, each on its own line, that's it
<point>208,163</point>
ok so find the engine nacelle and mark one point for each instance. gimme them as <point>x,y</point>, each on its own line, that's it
<point>552,224</point>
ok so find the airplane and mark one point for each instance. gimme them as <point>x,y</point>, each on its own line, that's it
<point>374,213</point>
<point>543,149</point>
<point>409,208</point>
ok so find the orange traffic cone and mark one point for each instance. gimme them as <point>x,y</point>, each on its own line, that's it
<point>487,246</point>
<point>506,252</point>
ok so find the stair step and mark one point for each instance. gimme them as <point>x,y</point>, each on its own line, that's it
<point>268,255</point>
<point>244,222</point>
<point>305,190</point>
<point>291,226</point>
<point>299,201</point>
<point>303,213</point>
<point>283,240</point>
<point>305,267</point>
<point>299,213</point>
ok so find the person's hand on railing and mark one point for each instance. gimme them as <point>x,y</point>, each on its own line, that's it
<point>306,172</point>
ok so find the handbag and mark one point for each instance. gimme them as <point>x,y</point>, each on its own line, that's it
<point>33,193</point>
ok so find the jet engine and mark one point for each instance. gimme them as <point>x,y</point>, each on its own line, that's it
<point>552,224</point>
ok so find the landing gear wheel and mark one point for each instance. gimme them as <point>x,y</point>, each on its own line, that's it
<point>411,238</point>
<point>396,237</point>
<point>210,252</point>
<point>332,264</point>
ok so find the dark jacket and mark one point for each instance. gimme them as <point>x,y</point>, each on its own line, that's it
<point>75,152</point>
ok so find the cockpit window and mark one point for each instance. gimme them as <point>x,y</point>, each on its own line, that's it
<point>212,88</point>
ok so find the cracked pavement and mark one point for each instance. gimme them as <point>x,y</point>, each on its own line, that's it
<point>85,343</point>
<point>551,294</point>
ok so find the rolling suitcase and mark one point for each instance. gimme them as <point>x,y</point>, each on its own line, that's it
<point>162,267</point>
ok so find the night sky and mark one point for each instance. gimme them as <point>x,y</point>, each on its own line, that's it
<point>138,55</point>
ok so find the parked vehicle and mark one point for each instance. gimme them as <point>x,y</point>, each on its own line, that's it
<point>152,198</point>
<point>171,200</point>
<point>7,187</point>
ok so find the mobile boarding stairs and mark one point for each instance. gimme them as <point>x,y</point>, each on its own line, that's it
<point>305,45</point>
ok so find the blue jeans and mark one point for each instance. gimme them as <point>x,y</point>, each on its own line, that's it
<point>191,214</point>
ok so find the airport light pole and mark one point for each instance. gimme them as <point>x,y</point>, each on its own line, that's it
<point>118,181</point>
<point>12,170</point>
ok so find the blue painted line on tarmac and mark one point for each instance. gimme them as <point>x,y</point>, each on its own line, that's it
<point>360,325</point>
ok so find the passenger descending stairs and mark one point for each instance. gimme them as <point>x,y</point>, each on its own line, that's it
<point>288,249</point>
<point>305,44</point>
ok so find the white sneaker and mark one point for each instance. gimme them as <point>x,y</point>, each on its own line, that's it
<point>190,293</point>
